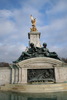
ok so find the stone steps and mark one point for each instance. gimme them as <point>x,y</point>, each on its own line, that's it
<point>26,88</point>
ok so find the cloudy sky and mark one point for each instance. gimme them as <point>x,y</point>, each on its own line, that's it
<point>15,24</point>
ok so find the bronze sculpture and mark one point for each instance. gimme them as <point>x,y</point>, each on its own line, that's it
<point>28,54</point>
<point>47,53</point>
<point>37,52</point>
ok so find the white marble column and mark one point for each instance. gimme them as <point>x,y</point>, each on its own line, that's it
<point>56,74</point>
<point>12,78</point>
<point>24,75</point>
<point>20,75</point>
<point>16,75</point>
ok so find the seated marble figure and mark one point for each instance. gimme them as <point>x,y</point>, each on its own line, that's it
<point>37,52</point>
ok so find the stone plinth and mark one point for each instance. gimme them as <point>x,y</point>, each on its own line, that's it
<point>34,37</point>
<point>39,63</point>
<point>19,73</point>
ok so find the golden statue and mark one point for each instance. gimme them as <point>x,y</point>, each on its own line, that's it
<point>33,21</point>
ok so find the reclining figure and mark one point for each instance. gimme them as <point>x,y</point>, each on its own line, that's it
<point>37,52</point>
<point>46,52</point>
<point>26,55</point>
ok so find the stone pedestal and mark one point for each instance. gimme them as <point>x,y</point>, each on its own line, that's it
<point>34,37</point>
<point>20,74</point>
<point>38,63</point>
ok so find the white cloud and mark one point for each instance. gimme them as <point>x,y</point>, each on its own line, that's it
<point>15,25</point>
<point>61,6</point>
<point>56,28</point>
<point>62,52</point>
<point>37,4</point>
<point>5,14</point>
<point>8,53</point>
<point>6,25</point>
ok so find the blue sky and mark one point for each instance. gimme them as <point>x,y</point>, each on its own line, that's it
<point>15,24</point>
